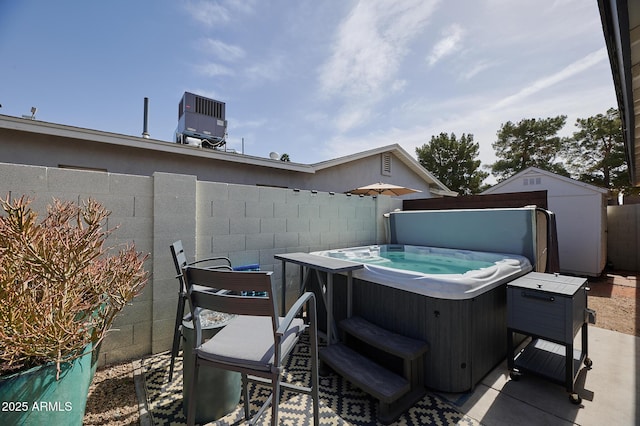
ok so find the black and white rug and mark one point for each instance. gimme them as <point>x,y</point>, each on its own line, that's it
<point>340,402</point>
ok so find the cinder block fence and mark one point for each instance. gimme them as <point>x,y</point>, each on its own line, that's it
<point>249,224</point>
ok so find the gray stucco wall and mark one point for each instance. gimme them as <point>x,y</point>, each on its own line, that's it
<point>44,150</point>
<point>21,147</point>
<point>366,171</point>
<point>247,223</point>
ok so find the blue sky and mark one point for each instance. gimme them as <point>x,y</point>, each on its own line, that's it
<point>314,79</point>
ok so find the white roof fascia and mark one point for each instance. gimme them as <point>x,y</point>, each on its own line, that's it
<point>447,193</point>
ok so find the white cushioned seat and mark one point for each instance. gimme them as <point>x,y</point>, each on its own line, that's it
<point>248,341</point>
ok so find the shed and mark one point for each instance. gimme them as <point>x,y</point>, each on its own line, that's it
<point>581,217</point>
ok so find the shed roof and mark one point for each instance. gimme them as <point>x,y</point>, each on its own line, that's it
<point>535,170</point>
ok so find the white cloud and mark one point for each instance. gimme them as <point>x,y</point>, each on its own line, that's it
<point>448,44</point>
<point>350,117</point>
<point>469,114</point>
<point>213,69</point>
<point>475,69</point>
<point>369,46</point>
<point>398,85</point>
<point>272,69</point>
<point>221,50</point>
<point>212,12</point>
<point>208,13</point>
<point>569,71</point>
<point>355,66</point>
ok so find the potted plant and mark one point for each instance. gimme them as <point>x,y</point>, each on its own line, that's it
<point>60,290</point>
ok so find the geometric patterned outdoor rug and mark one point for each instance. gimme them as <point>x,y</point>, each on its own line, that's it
<point>340,402</point>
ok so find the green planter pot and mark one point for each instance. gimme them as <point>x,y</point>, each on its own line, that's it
<point>218,391</point>
<point>35,397</point>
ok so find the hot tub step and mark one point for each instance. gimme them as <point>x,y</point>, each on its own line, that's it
<point>375,380</point>
<point>385,340</point>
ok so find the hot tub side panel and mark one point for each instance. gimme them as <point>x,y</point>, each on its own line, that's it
<point>467,337</point>
<point>488,332</point>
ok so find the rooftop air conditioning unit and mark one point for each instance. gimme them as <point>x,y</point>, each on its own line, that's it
<point>201,121</point>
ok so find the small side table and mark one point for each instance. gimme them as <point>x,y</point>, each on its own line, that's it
<point>324,264</point>
<point>218,390</point>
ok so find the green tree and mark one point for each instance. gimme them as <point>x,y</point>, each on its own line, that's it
<point>530,142</point>
<point>596,152</point>
<point>285,157</point>
<point>454,162</point>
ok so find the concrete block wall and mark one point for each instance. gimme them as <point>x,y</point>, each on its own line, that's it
<point>174,206</point>
<point>249,224</point>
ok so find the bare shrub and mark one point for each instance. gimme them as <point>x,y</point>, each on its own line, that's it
<point>60,287</point>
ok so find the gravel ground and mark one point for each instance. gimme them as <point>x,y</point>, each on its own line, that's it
<point>112,396</point>
<point>615,299</point>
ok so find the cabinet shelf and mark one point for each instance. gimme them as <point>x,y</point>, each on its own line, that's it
<point>547,359</point>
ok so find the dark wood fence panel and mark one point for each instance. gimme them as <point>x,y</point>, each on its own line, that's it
<point>512,199</point>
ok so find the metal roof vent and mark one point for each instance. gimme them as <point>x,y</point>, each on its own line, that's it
<point>386,164</point>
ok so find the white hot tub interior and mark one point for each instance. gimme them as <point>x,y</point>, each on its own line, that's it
<point>432,271</point>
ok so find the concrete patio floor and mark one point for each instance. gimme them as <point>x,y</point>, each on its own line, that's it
<point>609,390</point>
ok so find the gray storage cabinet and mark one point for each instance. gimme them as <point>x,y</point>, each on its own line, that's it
<point>550,308</point>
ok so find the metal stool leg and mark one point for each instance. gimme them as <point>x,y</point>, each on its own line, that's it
<point>177,332</point>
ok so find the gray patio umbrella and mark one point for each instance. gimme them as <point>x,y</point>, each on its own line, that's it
<point>383,189</point>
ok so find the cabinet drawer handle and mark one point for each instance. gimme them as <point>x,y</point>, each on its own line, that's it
<point>538,296</point>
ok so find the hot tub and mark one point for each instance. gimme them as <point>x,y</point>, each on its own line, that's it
<point>432,271</point>
<point>460,312</point>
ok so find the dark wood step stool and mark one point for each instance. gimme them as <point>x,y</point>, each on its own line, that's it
<point>395,393</point>
<point>364,373</point>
